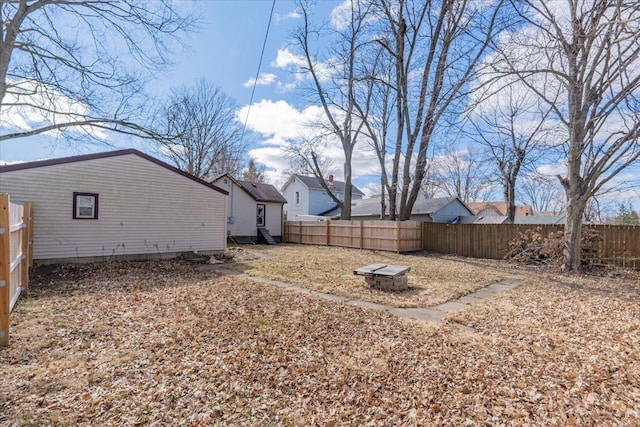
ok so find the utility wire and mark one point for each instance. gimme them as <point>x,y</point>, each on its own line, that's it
<point>255,81</point>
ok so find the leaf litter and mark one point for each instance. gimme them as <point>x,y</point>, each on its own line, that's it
<point>164,342</point>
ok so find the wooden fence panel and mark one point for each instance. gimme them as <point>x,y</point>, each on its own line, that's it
<point>16,224</point>
<point>396,236</point>
<point>620,245</point>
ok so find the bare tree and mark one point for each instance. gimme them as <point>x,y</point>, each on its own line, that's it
<point>202,133</point>
<point>542,193</point>
<point>253,172</point>
<point>375,107</point>
<point>81,64</point>
<point>457,173</point>
<point>515,131</point>
<point>334,86</point>
<point>436,47</point>
<point>589,51</point>
<point>307,159</point>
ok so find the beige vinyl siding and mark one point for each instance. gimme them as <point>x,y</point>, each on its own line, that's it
<point>143,208</point>
<point>244,210</point>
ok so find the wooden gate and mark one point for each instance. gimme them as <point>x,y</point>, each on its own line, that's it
<point>16,225</point>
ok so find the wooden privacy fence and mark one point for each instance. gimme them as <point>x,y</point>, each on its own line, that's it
<point>394,236</point>
<point>620,244</point>
<point>16,235</point>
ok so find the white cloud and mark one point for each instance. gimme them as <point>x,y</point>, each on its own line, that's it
<point>297,66</point>
<point>552,169</point>
<point>32,105</point>
<point>285,59</point>
<point>5,163</point>
<point>341,15</point>
<point>281,125</point>
<point>264,79</point>
<point>294,14</point>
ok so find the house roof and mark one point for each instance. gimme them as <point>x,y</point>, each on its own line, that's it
<point>541,219</point>
<point>107,154</point>
<point>371,206</point>
<point>500,208</point>
<point>312,183</point>
<point>489,219</point>
<point>259,191</point>
<point>262,192</point>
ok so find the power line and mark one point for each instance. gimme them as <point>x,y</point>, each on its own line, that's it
<point>255,80</point>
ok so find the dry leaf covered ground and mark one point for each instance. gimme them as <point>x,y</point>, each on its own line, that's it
<point>172,343</point>
<point>432,279</point>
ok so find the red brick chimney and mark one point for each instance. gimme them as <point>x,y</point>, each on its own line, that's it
<point>330,179</point>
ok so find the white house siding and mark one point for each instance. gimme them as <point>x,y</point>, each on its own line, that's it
<point>450,212</point>
<point>244,211</point>
<point>143,208</point>
<point>320,202</point>
<point>273,218</point>
<point>291,208</point>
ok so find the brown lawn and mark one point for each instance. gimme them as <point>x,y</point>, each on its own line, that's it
<point>432,279</point>
<point>172,343</point>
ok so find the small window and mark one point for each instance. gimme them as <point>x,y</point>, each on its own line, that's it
<point>261,211</point>
<point>297,197</point>
<point>85,205</point>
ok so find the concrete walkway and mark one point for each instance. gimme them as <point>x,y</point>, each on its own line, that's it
<point>434,314</point>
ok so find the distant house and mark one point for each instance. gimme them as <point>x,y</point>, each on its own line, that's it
<point>486,209</point>
<point>116,204</point>
<point>252,205</point>
<point>491,219</point>
<point>547,219</point>
<point>305,196</point>
<point>442,209</point>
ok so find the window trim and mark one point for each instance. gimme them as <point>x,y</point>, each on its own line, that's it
<point>76,195</point>
<point>264,215</point>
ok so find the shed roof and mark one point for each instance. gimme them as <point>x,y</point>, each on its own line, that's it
<point>103,155</point>
<point>262,192</point>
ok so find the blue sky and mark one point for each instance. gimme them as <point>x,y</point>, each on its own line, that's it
<point>226,51</point>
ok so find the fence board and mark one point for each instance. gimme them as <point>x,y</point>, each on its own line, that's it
<point>395,236</point>
<point>15,236</point>
<point>620,244</point>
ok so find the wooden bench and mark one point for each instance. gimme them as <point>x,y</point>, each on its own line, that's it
<point>384,277</point>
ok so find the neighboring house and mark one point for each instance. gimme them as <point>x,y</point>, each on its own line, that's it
<point>541,219</point>
<point>252,205</point>
<point>491,219</point>
<point>305,196</point>
<point>497,209</point>
<point>442,209</point>
<point>116,204</point>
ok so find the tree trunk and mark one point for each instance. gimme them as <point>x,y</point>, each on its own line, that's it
<point>345,212</point>
<point>572,235</point>
<point>510,199</point>
<point>383,205</point>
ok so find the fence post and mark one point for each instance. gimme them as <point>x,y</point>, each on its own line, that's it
<point>361,234</point>
<point>398,223</point>
<point>26,244</point>
<point>327,234</point>
<point>5,269</point>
